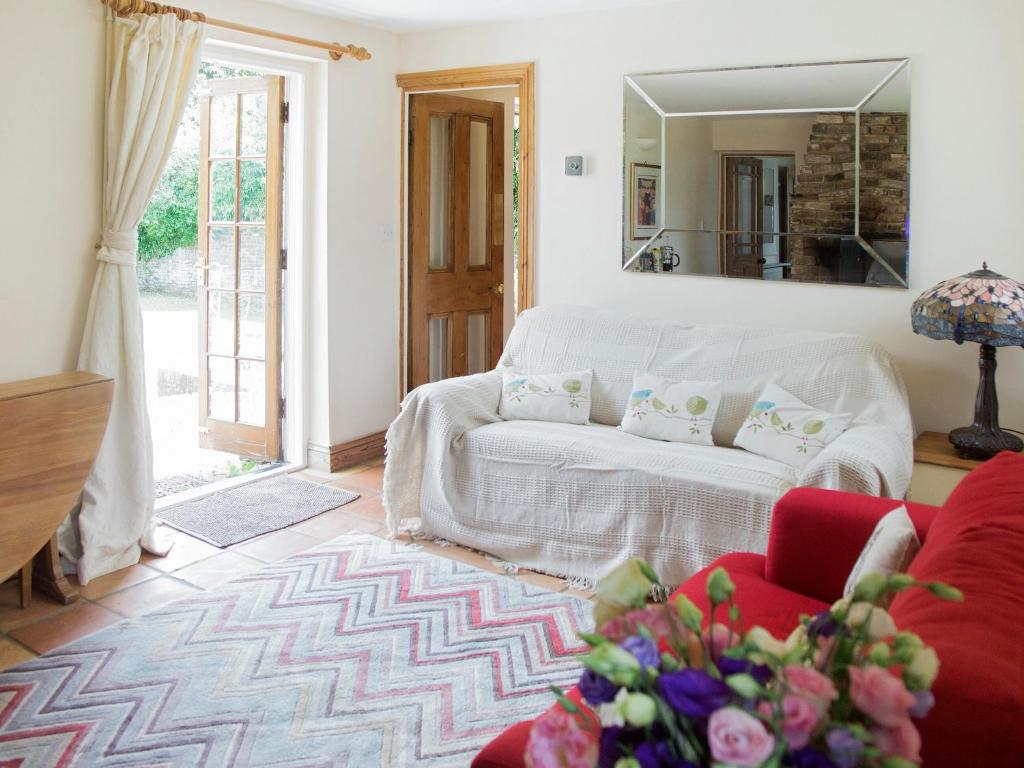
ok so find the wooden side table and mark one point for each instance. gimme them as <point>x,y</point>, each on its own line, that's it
<point>937,468</point>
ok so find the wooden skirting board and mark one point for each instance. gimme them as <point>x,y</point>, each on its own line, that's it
<point>344,455</point>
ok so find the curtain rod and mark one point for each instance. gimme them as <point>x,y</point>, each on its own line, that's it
<point>336,50</point>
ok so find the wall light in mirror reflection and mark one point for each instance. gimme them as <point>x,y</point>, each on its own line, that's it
<point>794,172</point>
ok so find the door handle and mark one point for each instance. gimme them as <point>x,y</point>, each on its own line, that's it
<point>498,288</point>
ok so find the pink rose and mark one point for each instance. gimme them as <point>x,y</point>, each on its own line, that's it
<point>738,739</point>
<point>880,695</point>
<point>902,741</point>
<point>801,717</point>
<point>557,741</point>
<point>811,685</point>
<point>716,638</point>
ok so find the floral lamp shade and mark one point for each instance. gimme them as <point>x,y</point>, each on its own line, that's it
<point>981,306</point>
<point>988,309</point>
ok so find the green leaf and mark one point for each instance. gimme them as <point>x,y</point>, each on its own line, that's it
<point>657,404</point>
<point>592,638</point>
<point>776,420</point>
<point>745,685</point>
<point>813,427</point>
<point>572,386</point>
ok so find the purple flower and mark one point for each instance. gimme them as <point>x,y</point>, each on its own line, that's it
<point>596,689</point>
<point>645,651</point>
<point>760,672</point>
<point>693,692</point>
<point>808,757</point>
<point>923,705</point>
<point>844,747</point>
<point>610,751</point>
<point>659,755</point>
<point>823,624</point>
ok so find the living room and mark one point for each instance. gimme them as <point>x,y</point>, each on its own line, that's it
<point>640,163</point>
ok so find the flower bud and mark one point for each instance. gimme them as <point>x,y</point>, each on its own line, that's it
<point>639,709</point>
<point>627,762</point>
<point>870,588</point>
<point>766,642</point>
<point>720,586</point>
<point>689,614</point>
<point>921,672</point>
<point>878,622</point>
<point>614,663</point>
<point>880,654</point>
<point>626,587</point>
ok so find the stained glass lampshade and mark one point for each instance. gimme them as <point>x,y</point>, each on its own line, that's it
<point>988,309</point>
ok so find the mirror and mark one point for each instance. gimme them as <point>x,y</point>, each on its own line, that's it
<point>796,172</point>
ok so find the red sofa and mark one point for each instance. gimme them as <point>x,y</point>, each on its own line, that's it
<point>974,542</point>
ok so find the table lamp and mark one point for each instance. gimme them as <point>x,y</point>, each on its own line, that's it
<point>988,309</point>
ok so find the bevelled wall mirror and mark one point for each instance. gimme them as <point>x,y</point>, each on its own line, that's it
<point>798,172</point>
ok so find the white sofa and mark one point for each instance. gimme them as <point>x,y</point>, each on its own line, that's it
<point>576,500</point>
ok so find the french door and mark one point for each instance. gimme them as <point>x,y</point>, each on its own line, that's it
<point>743,217</point>
<point>456,236</point>
<point>240,191</point>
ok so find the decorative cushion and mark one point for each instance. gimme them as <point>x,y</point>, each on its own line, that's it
<point>890,549</point>
<point>784,428</point>
<point>563,397</point>
<point>680,412</point>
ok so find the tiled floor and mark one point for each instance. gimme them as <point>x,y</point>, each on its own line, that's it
<point>193,565</point>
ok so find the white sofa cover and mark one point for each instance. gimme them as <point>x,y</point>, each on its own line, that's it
<point>575,501</point>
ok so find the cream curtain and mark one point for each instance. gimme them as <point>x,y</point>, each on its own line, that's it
<point>152,62</point>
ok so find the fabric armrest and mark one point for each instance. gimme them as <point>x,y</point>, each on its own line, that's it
<point>433,419</point>
<point>868,458</point>
<point>817,536</point>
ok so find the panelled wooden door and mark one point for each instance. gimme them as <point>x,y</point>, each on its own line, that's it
<point>743,217</point>
<point>456,236</point>
<point>240,201</point>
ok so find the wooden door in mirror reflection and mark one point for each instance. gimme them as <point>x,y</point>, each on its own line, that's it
<point>456,236</point>
<point>742,216</point>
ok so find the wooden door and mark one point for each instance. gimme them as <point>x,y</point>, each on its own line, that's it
<point>743,216</point>
<point>240,191</point>
<point>456,236</point>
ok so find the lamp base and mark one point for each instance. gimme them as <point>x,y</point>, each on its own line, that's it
<point>976,442</point>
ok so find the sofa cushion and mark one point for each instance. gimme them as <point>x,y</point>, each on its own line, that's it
<point>975,544</point>
<point>761,603</point>
<point>677,411</point>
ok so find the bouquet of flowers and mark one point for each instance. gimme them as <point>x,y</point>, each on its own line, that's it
<point>840,692</point>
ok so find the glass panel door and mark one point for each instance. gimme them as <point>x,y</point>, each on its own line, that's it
<point>240,240</point>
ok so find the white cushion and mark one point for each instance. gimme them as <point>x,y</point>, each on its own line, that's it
<point>563,397</point>
<point>891,548</point>
<point>680,412</point>
<point>782,427</point>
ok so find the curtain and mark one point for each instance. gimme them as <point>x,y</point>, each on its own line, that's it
<point>152,62</point>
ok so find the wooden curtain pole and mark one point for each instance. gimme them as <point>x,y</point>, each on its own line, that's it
<point>336,50</point>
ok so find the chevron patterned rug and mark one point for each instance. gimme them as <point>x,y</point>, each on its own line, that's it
<point>358,653</point>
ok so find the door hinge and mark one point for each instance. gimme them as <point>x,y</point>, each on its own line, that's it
<point>285,111</point>
<point>282,408</point>
<point>284,258</point>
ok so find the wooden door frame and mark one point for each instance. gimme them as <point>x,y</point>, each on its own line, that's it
<point>722,155</point>
<point>522,76</point>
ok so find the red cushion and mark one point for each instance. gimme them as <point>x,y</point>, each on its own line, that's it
<point>976,544</point>
<point>761,603</point>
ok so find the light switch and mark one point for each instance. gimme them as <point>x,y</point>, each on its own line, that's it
<point>574,165</point>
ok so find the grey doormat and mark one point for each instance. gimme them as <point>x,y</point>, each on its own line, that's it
<point>228,517</point>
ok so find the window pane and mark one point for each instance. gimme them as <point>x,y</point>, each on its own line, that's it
<point>254,124</point>
<point>251,327</point>
<point>254,190</point>
<point>221,322</point>
<point>477,342</point>
<point>252,258</point>
<point>222,190</point>
<point>440,168</point>
<point>223,121</point>
<point>438,335</point>
<point>252,392</point>
<point>221,388</point>
<point>222,257</point>
<point>479,170</point>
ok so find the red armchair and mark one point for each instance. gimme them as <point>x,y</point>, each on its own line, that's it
<point>974,542</point>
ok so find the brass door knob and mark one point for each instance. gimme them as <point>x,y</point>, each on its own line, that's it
<point>498,288</point>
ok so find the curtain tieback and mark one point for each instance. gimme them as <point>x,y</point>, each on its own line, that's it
<point>119,247</point>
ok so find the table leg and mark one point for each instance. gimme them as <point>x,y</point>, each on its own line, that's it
<point>49,576</point>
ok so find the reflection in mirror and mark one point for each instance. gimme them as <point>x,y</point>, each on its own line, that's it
<point>784,188</point>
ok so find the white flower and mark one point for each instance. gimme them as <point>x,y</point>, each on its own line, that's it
<point>879,622</point>
<point>923,669</point>
<point>610,714</point>
<point>766,642</point>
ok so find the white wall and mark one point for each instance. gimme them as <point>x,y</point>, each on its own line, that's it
<point>50,134</point>
<point>967,113</point>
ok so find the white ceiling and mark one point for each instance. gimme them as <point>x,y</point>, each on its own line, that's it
<point>418,15</point>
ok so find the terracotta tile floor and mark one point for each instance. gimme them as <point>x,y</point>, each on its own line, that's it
<point>193,565</point>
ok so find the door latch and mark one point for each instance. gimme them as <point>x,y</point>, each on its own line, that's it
<point>498,288</point>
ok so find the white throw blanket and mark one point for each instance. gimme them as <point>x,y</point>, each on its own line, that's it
<point>575,501</point>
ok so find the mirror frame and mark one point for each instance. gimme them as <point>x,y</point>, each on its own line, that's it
<point>899,65</point>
